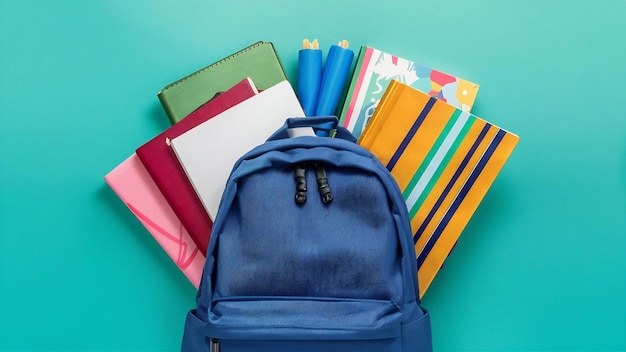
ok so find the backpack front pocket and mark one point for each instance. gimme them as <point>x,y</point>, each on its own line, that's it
<point>304,324</point>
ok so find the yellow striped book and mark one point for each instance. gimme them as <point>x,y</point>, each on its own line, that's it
<point>444,160</point>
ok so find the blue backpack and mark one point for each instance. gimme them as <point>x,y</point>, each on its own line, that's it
<point>311,250</point>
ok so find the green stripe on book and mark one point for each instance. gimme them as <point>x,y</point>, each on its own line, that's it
<point>440,170</point>
<point>437,159</point>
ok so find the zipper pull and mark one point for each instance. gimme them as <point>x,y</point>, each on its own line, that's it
<point>214,345</point>
<point>300,176</point>
<point>322,184</point>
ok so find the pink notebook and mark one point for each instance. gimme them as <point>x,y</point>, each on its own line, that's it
<point>133,185</point>
<point>161,163</point>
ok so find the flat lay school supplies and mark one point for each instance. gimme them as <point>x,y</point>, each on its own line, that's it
<point>322,234</point>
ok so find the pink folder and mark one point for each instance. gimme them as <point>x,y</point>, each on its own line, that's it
<point>133,185</point>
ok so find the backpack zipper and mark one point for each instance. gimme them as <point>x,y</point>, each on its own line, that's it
<point>300,177</point>
<point>322,182</point>
<point>214,345</point>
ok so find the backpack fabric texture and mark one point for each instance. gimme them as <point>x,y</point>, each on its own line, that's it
<point>333,272</point>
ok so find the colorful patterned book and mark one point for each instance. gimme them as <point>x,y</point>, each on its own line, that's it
<point>444,160</point>
<point>374,70</point>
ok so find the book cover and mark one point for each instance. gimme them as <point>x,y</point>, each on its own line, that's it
<point>159,159</point>
<point>444,160</point>
<point>132,184</point>
<point>374,70</point>
<point>209,151</point>
<point>259,61</point>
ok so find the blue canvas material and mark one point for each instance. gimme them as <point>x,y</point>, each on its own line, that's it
<point>335,276</point>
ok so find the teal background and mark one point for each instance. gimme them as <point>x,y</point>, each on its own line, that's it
<point>541,265</point>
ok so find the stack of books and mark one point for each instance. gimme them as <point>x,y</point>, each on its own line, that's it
<point>416,120</point>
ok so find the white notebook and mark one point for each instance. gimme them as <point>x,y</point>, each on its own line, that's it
<point>208,152</point>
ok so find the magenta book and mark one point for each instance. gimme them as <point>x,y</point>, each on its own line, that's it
<point>161,163</point>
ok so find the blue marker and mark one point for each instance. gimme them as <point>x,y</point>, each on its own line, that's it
<point>334,79</point>
<point>309,75</point>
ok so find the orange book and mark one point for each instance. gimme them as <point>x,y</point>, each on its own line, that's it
<point>444,160</point>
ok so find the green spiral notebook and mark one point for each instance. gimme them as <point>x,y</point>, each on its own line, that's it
<point>259,61</point>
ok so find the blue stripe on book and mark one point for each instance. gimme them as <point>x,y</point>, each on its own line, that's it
<point>411,133</point>
<point>456,175</point>
<point>460,196</point>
